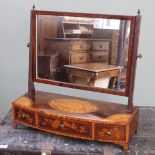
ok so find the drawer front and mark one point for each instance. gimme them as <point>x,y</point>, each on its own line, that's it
<point>76,58</point>
<point>64,126</point>
<point>112,73</point>
<point>80,45</point>
<point>25,116</point>
<point>97,56</point>
<point>100,45</point>
<point>110,132</point>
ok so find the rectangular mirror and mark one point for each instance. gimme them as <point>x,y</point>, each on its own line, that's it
<point>83,52</point>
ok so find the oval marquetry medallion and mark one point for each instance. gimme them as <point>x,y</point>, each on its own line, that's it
<point>72,105</point>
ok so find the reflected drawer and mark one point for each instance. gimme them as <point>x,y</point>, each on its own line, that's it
<point>25,116</point>
<point>80,45</point>
<point>76,58</point>
<point>110,132</point>
<point>112,73</point>
<point>64,126</point>
<point>100,45</point>
<point>98,56</point>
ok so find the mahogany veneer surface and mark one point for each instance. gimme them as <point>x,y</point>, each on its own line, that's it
<point>105,121</point>
<point>105,109</point>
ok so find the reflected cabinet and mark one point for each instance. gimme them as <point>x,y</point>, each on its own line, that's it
<point>92,52</point>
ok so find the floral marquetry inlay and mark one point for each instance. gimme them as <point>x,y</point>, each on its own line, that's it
<point>25,116</point>
<point>55,123</point>
<point>58,124</point>
<point>110,132</point>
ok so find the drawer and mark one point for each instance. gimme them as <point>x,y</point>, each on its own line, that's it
<point>112,73</point>
<point>76,58</point>
<point>80,45</point>
<point>65,126</point>
<point>110,132</point>
<point>100,45</point>
<point>98,56</point>
<point>25,116</point>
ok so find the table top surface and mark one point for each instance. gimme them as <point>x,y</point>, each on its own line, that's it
<point>28,141</point>
<point>75,39</point>
<point>94,67</point>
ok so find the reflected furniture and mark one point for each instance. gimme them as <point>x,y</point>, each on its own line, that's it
<point>76,29</point>
<point>73,116</point>
<point>72,51</point>
<point>48,65</point>
<point>93,73</point>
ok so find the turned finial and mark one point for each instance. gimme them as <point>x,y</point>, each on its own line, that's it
<point>138,12</point>
<point>33,7</point>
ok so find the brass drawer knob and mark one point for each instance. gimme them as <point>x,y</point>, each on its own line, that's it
<point>23,115</point>
<point>108,133</point>
<point>62,126</point>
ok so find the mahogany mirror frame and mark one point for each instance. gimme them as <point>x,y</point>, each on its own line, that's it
<point>132,54</point>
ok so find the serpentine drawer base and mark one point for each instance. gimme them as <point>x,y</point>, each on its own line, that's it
<point>85,126</point>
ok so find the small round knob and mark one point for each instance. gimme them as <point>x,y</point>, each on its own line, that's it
<point>62,126</point>
<point>23,115</point>
<point>108,133</point>
<point>33,7</point>
<point>138,12</point>
<point>139,55</point>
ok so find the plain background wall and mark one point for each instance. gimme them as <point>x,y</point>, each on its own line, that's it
<point>14,35</point>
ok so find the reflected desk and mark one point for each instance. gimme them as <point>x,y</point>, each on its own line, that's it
<point>94,74</point>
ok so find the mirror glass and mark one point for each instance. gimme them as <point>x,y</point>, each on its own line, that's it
<point>83,51</point>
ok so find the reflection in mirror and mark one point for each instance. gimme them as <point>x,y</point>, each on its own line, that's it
<point>83,51</point>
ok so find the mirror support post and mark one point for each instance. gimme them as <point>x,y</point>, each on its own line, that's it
<point>31,87</point>
<point>134,61</point>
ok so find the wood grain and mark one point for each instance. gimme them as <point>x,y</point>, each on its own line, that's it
<point>93,125</point>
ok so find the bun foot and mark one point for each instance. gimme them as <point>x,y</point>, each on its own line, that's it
<point>125,146</point>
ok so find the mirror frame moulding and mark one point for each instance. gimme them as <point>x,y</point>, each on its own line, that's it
<point>32,66</point>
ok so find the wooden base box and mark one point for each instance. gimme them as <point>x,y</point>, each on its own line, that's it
<point>101,124</point>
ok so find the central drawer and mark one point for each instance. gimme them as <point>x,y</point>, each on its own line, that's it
<point>110,132</point>
<point>65,126</point>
